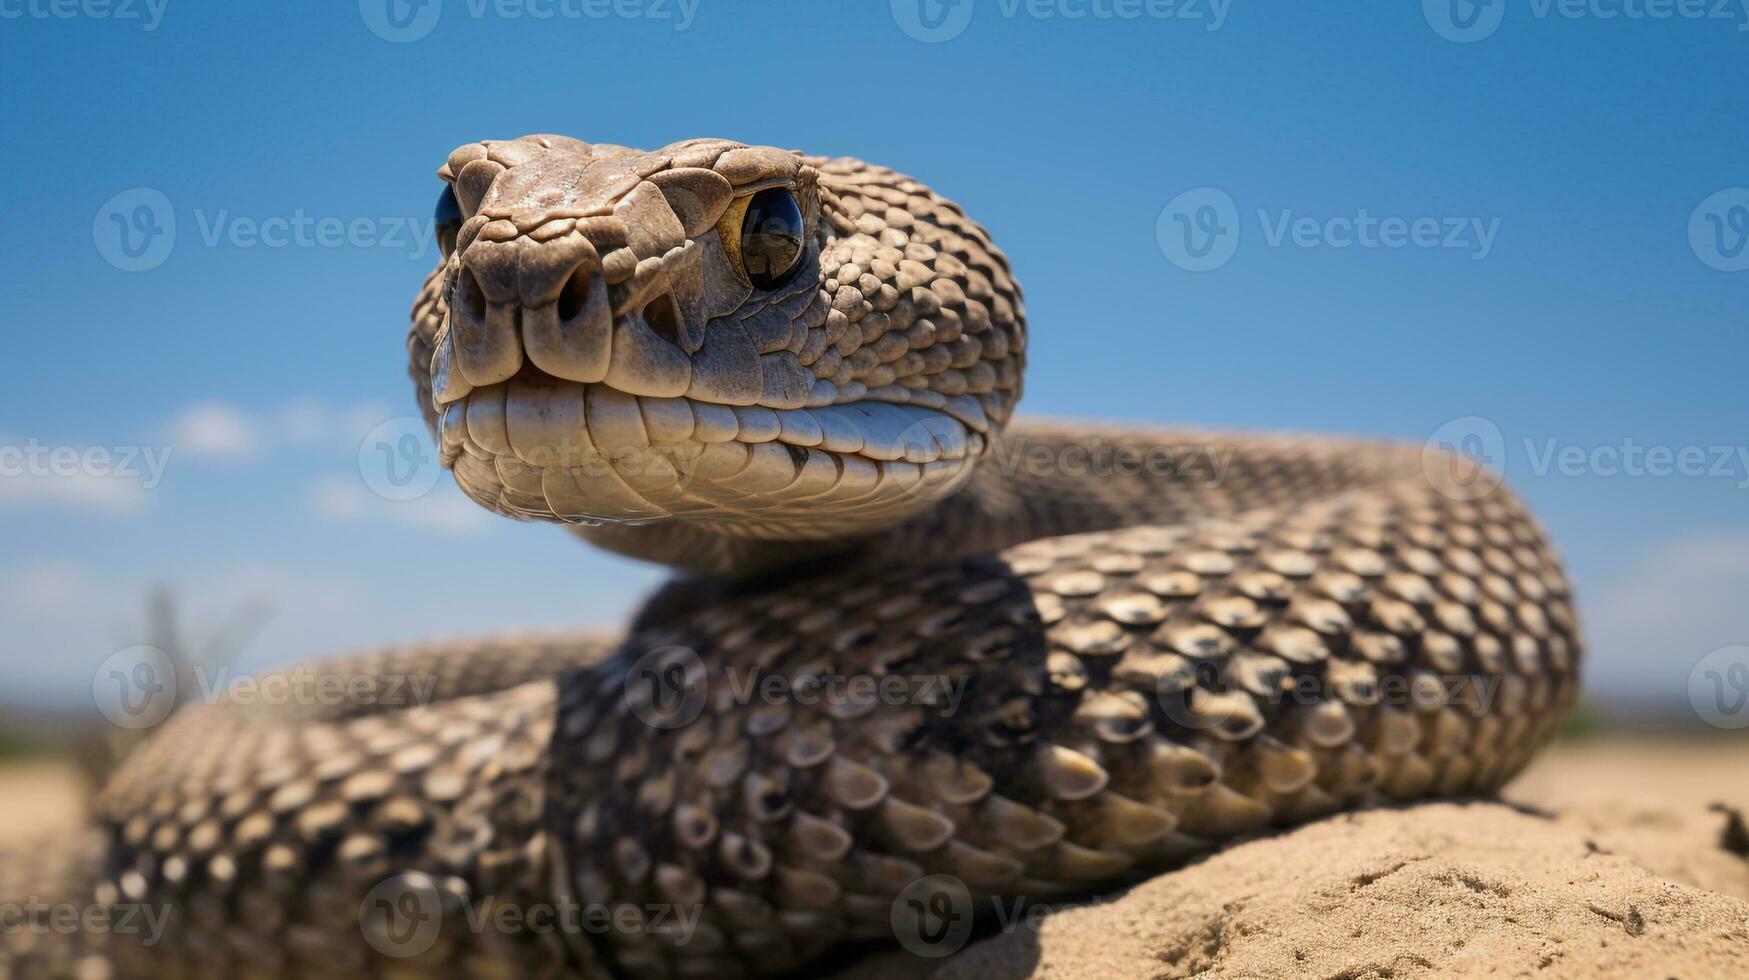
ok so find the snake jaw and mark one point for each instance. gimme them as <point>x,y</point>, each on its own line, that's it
<point>601,355</point>
<point>542,448</point>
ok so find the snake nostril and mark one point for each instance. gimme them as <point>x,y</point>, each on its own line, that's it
<point>576,292</point>
<point>472,298</point>
<point>663,316</point>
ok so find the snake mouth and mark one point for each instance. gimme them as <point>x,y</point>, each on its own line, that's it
<point>539,447</point>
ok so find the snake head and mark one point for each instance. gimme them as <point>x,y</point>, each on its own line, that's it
<point>712,332</point>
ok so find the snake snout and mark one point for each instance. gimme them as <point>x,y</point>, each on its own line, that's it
<point>546,299</point>
<point>574,306</point>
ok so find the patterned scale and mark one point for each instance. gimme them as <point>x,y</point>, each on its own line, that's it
<point>1128,699</point>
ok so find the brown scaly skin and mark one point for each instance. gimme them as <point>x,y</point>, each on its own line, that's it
<point>1096,673</point>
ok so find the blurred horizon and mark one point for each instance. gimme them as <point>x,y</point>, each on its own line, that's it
<point>1522,235</point>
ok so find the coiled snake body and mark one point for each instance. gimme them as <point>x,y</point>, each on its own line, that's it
<point>917,647</point>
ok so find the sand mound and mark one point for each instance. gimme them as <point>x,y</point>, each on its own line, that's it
<point>1581,889</point>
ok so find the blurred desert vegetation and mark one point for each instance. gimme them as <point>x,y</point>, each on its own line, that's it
<point>83,744</point>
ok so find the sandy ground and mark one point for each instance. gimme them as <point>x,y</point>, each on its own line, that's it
<point>36,798</point>
<point>1607,858</point>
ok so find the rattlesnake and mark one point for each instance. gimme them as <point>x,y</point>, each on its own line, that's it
<point>918,645</point>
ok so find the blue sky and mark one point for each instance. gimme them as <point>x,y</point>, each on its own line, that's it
<point>1562,150</point>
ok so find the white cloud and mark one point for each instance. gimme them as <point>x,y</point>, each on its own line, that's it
<point>106,479</point>
<point>118,479</point>
<point>107,493</point>
<point>1683,600</point>
<point>33,472</point>
<point>215,429</point>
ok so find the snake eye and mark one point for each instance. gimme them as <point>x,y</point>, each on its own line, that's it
<point>765,236</point>
<point>447,219</point>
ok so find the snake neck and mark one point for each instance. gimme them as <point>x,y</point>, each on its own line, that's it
<point>1040,479</point>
